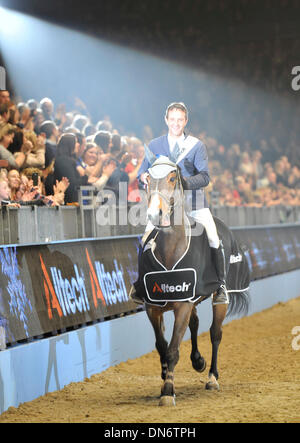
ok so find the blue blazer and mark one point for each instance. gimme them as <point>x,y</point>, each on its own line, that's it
<point>193,163</point>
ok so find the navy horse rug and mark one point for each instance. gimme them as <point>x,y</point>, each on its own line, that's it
<point>193,278</point>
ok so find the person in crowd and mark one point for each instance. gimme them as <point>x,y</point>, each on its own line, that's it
<point>89,130</point>
<point>103,139</point>
<point>233,157</point>
<point>90,163</point>
<point>246,166</point>
<point>13,178</point>
<point>80,121</point>
<point>281,173</point>
<point>3,173</point>
<point>65,166</point>
<point>220,154</point>
<point>258,169</point>
<point>4,96</point>
<point>32,104</point>
<point>243,190</point>
<point>272,180</point>
<point>5,194</point>
<point>14,115</point>
<point>27,192</point>
<point>116,145</point>
<point>108,167</point>
<point>104,125</point>
<point>17,160</point>
<point>37,148</point>
<point>4,115</point>
<point>137,154</point>
<point>4,190</point>
<point>118,176</point>
<point>49,130</point>
<point>81,144</point>
<point>294,178</point>
<point>26,118</point>
<point>47,107</point>
<point>38,119</point>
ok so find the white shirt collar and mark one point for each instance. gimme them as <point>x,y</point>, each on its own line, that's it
<point>172,141</point>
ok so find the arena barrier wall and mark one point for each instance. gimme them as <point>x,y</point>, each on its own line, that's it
<point>38,224</point>
<point>50,287</point>
<point>35,368</point>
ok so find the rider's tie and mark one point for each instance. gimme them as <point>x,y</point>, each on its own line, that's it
<point>176,152</point>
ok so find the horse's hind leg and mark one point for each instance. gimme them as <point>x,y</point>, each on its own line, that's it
<point>198,361</point>
<point>156,318</point>
<point>219,313</point>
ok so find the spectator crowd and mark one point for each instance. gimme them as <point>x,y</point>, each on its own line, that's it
<point>47,153</point>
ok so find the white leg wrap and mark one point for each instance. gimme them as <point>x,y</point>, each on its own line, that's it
<point>221,299</point>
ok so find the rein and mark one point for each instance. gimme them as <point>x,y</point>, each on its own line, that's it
<point>168,199</point>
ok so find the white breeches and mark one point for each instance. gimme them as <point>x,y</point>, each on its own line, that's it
<point>204,217</point>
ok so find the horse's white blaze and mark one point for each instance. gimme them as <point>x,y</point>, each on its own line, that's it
<point>153,208</point>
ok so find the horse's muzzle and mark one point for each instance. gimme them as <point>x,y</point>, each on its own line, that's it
<point>158,220</point>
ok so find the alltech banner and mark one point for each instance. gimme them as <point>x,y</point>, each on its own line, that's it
<point>44,288</point>
<point>48,287</point>
<point>270,250</point>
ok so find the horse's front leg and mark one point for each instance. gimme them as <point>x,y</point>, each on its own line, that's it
<point>155,316</point>
<point>219,313</point>
<point>182,312</point>
<point>198,361</point>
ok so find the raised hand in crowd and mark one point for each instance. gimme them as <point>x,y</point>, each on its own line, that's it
<point>59,190</point>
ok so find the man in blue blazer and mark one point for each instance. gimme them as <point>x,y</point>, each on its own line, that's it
<point>190,154</point>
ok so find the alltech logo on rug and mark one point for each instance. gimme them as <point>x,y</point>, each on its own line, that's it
<point>165,288</point>
<point>171,285</point>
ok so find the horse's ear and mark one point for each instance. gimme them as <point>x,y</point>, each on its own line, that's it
<point>149,155</point>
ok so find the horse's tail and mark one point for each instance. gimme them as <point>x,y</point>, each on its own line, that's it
<point>239,303</point>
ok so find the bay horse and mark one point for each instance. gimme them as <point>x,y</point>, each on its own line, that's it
<point>171,241</point>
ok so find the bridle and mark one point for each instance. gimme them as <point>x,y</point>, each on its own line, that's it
<point>169,200</point>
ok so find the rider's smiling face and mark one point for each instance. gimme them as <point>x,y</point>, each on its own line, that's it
<point>176,122</point>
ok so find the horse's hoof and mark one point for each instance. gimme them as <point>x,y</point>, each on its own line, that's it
<point>199,365</point>
<point>167,400</point>
<point>212,384</point>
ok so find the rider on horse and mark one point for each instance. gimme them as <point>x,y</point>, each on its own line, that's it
<point>190,154</point>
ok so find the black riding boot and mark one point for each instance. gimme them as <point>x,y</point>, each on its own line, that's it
<point>218,256</point>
